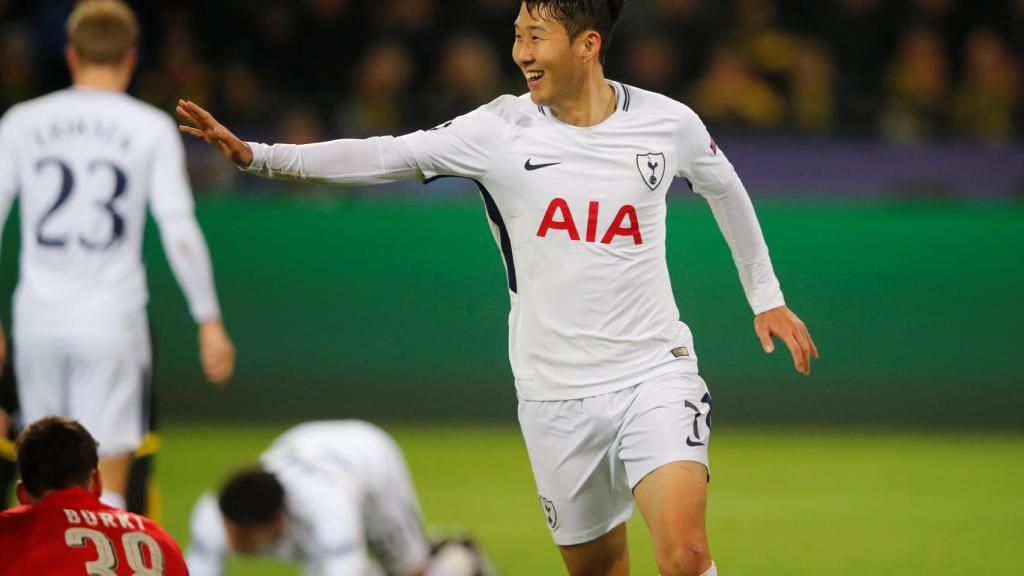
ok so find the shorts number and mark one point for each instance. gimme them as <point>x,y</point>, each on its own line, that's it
<point>106,562</point>
<point>67,184</point>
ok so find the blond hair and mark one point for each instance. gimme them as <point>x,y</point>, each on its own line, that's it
<point>102,31</point>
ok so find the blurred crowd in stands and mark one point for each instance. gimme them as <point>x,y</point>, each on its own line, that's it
<point>303,70</point>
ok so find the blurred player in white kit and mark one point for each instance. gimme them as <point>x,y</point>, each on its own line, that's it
<point>334,496</point>
<point>574,177</point>
<point>86,162</point>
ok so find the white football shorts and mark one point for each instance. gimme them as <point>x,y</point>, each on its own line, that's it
<point>588,454</point>
<point>102,380</point>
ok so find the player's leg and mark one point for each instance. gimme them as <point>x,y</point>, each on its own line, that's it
<point>41,363</point>
<point>673,500</point>
<point>394,525</point>
<point>664,447</point>
<point>608,555</point>
<point>142,495</point>
<point>115,469</point>
<point>584,493</point>
<point>109,375</point>
<point>8,472</point>
<point>8,459</point>
<point>392,518</point>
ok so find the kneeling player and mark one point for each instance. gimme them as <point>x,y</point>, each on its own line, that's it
<point>328,495</point>
<point>62,527</point>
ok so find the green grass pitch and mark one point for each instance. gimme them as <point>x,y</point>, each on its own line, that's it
<point>791,502</point>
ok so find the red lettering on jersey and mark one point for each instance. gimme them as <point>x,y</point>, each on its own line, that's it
<point>566,223</point>
<point>71,532</point>
<point>616,229</point>
<point>592,221</point>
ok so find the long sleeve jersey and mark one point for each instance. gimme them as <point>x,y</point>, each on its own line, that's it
<point>578,214</point>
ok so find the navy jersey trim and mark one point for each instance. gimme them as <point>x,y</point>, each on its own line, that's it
<point>504,240</point>
<point>541,108</point>
<point>626,97</point>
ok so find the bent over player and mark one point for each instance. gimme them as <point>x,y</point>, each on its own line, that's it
<point>86,162</point>
<point>573,176</point>
<point>62,528</point>
<point>328,495</point>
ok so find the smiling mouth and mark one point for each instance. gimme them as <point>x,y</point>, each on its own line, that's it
<point>534,77</point>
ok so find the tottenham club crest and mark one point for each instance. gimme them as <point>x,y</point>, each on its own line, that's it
<point>549,512</point>
<point>651,167</point>
<point>701,421</point>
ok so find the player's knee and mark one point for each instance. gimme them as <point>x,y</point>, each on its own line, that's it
<point>688,557</point>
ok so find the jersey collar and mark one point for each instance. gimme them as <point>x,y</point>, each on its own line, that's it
<point>622,103</point>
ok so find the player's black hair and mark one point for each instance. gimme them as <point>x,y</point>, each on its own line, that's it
<point>251,496</point>
<point>55,453</point>
<point>578,16</point>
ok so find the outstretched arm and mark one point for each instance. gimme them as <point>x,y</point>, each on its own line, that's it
<point>468,146</point>
<point>347,162</point>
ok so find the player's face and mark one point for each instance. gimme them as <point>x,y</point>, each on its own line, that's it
<point>546,56</point>
<point>253,539</point>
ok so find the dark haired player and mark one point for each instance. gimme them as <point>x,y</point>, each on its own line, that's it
<point>330,496</point>
<point>574,176</point>
<point>62,528</point>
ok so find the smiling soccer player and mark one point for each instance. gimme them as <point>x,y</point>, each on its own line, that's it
<point>574,176</point>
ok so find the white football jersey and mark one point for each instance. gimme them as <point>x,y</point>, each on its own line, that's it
<point>85,164</point>
<point>579,216</point>
<point>347,493</point>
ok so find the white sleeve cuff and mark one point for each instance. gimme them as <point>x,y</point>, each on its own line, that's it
<point>259,158</point>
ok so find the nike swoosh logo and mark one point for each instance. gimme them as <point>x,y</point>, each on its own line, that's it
<point>532,167</point>
<point>692,443</point>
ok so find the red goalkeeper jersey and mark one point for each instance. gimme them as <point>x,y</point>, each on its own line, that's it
<point>71,533</point>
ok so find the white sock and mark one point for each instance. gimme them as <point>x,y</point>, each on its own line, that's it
<point>711,571</point>
<point>113,499</point>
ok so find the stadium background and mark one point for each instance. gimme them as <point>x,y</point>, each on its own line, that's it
<point>881,142</point>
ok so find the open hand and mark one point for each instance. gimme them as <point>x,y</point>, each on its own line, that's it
<point>216,352</point>
<point>203,125</point>
<point>786,326</point>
